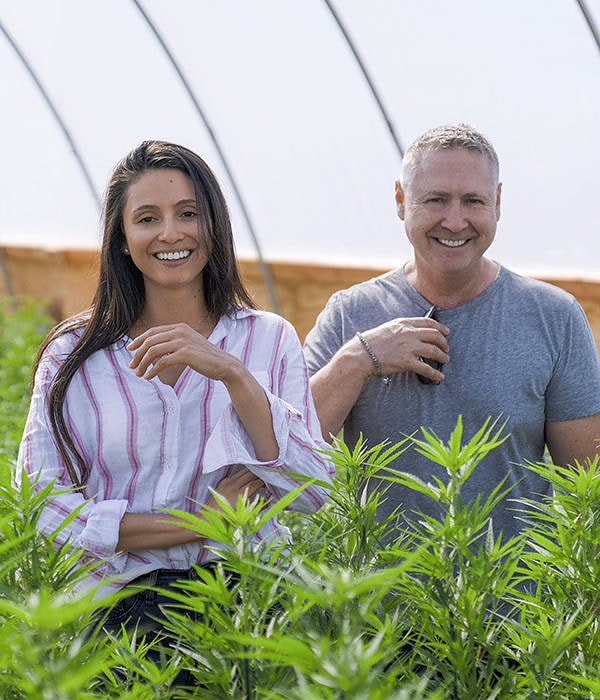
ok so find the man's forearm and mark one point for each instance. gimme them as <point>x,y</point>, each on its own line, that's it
<point>337,386</point>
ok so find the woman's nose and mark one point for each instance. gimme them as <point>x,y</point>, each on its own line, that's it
<point>170,230</point>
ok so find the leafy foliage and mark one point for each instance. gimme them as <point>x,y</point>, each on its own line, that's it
<point>22,327</point>
<point>351,608</point>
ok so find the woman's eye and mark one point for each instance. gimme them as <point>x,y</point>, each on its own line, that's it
<point>189,214</point>
<point>145,220</point>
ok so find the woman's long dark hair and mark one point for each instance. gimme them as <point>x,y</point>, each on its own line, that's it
<point>119,297</point>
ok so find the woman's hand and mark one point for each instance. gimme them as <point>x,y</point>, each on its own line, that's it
<point>178,344</point>
<point>242,483</point>
<point>166,346</point>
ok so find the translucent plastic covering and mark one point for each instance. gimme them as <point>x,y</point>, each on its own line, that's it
<point>303,107</point>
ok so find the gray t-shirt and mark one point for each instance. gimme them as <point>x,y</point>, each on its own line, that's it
<point>521,351</point>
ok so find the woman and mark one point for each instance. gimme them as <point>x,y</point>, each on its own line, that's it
<point>172,383</point>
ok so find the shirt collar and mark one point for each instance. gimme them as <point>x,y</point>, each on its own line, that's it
<point>228,322</point>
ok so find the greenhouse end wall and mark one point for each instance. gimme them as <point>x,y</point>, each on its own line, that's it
<point>63,280</point>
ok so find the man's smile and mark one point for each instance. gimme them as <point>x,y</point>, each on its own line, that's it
<point>451,243</point>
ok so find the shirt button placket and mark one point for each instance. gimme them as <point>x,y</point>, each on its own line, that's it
<point>169,467</point>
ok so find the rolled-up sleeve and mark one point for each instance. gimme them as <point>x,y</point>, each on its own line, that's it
<point>68,515</point>
<point>302,451</point>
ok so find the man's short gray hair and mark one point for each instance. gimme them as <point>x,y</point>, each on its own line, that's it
<point>444,137</point>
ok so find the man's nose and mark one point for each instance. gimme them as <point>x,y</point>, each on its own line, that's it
<point>454,217</point>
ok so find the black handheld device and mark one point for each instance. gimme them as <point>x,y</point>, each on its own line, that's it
<point>432,363</point>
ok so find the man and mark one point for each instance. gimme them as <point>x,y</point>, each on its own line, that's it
<point>511,347</point>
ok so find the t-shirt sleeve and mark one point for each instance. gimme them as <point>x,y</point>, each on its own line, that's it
<point>574,389</point>
<point>326,337</point>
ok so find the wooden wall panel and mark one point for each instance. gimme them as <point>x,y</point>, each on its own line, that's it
<point>64,281</point>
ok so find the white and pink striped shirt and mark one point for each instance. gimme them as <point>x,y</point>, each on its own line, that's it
<point>151,446</point>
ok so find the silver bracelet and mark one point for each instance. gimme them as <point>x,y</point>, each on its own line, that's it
<point>387,380</point>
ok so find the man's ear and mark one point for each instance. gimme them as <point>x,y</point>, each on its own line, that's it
<point>399,195</point>
<point>498,197</point>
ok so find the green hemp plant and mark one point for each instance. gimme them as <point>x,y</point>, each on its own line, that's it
<point>22,327</point>
<point>411,607</point>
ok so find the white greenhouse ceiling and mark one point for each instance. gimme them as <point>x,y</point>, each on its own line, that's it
<point>303,107</point>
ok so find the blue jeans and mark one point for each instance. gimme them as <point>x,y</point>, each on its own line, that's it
<point>142,610</point>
